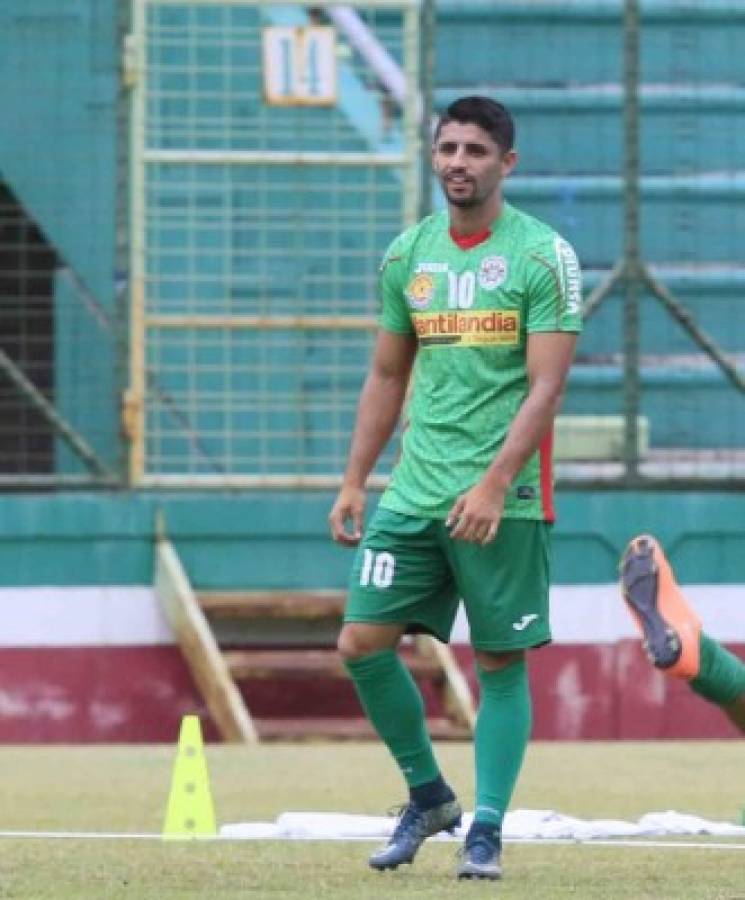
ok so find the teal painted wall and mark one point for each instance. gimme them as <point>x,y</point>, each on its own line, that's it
<point>85,382</point>
<point>59,80</point>
<point>278,540</point>
<point>58,91</point>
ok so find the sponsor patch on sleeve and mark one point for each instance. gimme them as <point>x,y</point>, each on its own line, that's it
<point>570,276</point>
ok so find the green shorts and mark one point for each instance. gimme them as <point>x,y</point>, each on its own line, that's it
<point>410,571</point>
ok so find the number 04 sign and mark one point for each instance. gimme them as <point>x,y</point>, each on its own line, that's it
<point>299,66</point>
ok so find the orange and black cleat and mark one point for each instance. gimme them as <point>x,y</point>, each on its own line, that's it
<point>669,627</point>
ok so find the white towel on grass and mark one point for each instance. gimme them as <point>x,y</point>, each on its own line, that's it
<point>519,824</point>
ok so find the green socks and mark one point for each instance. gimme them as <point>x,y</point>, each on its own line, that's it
<point>502,732</point>
<point>394,705</point>
<point>721,678</point>
<point>395,708</point>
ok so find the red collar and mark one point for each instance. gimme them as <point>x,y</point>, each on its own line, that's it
<point>466,242</point>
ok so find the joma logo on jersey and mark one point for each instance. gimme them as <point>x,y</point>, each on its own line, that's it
<point>480,328</point>
<point>434,268</point>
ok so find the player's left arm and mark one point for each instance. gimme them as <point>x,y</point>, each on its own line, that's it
<point>554,320</point>
<point>477,513</point>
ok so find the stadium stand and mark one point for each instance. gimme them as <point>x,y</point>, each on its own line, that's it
<point>212,395</point>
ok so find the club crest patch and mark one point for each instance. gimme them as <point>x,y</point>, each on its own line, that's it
<point>420,291</point>
<point>492,272</point>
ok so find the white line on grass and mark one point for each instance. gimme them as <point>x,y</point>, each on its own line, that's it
<point>639,842</point>
<point>87,835</point>
<point>589,842</point>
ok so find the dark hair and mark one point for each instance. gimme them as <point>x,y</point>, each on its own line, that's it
<point>492,116</point>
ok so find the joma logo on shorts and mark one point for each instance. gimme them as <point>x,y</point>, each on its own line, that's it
<point>524,622</point>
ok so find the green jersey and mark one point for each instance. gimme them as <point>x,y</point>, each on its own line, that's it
<point>471,304</point>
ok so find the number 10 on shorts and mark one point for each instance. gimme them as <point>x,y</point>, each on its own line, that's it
<point>377,568</point>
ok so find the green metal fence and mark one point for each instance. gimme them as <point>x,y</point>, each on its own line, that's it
<point>258,222</point>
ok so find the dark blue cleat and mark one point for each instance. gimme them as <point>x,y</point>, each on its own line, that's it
<point>481,856</point>
<point>414,827</point>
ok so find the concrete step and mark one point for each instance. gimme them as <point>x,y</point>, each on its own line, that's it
<point>317,663</point>
<point>305,605</point>
<point>545,43</point>
<point>683,128</point>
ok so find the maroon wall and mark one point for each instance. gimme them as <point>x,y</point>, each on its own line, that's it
<point>137,694</point>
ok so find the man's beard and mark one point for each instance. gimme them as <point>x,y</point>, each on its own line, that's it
<point>462,202</point>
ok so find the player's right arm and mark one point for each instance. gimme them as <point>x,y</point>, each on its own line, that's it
<point>383,393</point>
<point>378,412</point>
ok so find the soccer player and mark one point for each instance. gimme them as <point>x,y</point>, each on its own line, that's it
<point>483,303</point>
<point>672,633</point>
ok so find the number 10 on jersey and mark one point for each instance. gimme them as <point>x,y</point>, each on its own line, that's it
<point>461,289</point>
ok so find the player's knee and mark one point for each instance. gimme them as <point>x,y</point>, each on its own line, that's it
<point>493,662</point>
<point>356,640</point>
<point>350,643</point>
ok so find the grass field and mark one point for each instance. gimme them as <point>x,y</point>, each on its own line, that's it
<point>124,789</point>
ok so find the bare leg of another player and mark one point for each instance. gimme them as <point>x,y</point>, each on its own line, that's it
<point>673,638</point>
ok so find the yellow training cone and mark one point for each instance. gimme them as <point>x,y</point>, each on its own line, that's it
<point>190,811</point>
